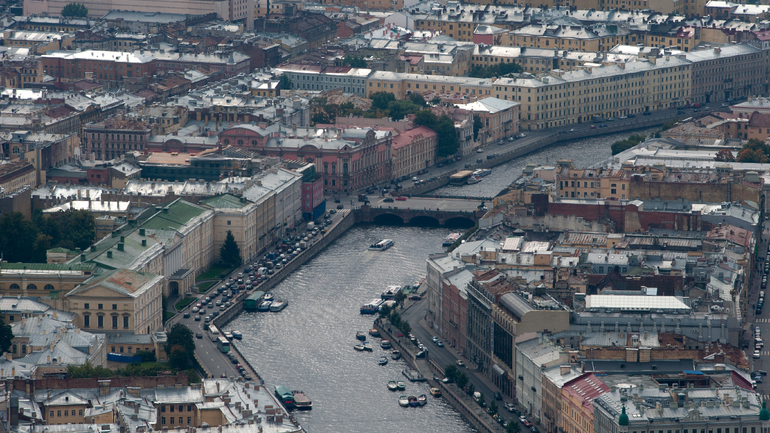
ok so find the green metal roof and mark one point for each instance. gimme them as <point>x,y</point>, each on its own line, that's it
<point>50,266</point>
<point>173,216</point>
<point>225,201</point>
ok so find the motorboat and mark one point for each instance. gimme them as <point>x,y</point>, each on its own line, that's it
<point>403,401</point>
<point>361,336</point>
<point>265,306</point>
<point>422,400</point>
<point>278,306</point>
<point>395,354</point>
<point>401,385</point>
<point>383,360</point>
<point>374,333</point>
<point>385,344</point>
<point>392,386</point>
<point>435,392</point>
<point>237,335</point>
<point>413,401</point>
<point>359,347</point>
<point>368,347</point>
<point>267,297</point>
<point>381,245</point>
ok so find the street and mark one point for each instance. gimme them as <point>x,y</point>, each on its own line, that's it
<point>762,321</point>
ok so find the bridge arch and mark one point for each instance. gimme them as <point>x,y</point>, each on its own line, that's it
<point>459,223</point>
<point>388,219</point>
<point>424,221</point>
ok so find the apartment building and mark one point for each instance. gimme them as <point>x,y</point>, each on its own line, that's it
<point>577,414</point>
<point>562,98</point>
<point>499,119</point>
<point>119,300</point>
<point>114,137</point>
<point>413,150</point>
<point>594,184</point>
<point>315,77</point>
<point>562,37</point>
<point>401,85</point>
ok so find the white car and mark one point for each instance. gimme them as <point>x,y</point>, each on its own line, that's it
<point>756,354</point>
<point>415,179</point>
<point>479,150</point>
<point>460,363</point>
<point>195,309</point>
<point>435,339</point>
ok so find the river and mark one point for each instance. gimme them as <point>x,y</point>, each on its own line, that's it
<point>584,153</point>
<point>309,345</point>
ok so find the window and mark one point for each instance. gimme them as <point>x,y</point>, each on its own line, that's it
<point>188,420</point>
<point>80,412</point>
<point>171,408</point>
<point>189,409</point>
<point>114,321</point>
<point>31,287</point>
<point>15,286</point>
<point>101,306</point>
<point>58,413</point>
<point>125,321</point>
<point>51,414</point>
<point>67,413</point>
<point>86,321</point>
<point>100,321</point>
<point>162,419</point>
<point>228,223</point>
<point>49,287</point>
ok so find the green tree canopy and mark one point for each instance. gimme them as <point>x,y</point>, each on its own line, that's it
<point>477,125</point>
<point>380,100</point>
<point>754,150</point>
<point>448,144</point>
<point>180,346</point>
<point>229,252</point>
<point>285,82</point>
<point>6,335</point>
<point>620,146</point>
<point>725,155</point>
<point>17,238</point>
<point>513,427</point>
<point>74,10</point>
<point>417,99</point>
<point>354,61</point>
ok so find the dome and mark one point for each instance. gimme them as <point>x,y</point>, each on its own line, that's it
<point>623,418</point>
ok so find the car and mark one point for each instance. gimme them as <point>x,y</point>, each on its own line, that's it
<point>510,407</point>
<point>646,113</point>
<point>434,339</point>
<point>388,200</point>
<point>479,150</point>
<point>198,335</point>
<point>572,130</point>
<point>186,315</point>
<point>762,372</point>
<point>680,112</point>
<point>339,206</point>
<point>401,198</point>
<point>223,376</point>
<point>207,319</point>
<point>460,363</point>
<point>197,318</point>
<point>534,429</point>
<point>756,354</point>
<point>611,119</point>
<point>337,200</point>
<point>603,125</point>
<point>497,395</point>
<point>439,344</point>
<point>522,135</point>
<point>631,116</point>
<point>195,309</point>
<point>415,297</point>
<point>234,360</point>
<point>525,421</point>
<point>593,126</point>
<point>202,311</point>
<point>332,211</point>
<point>623,117</point>
<point>415,179</point>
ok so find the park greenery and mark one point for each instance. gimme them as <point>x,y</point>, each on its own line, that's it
<point>496,70</point>
<point>180,347</point>
<point>74,10</point>
<point>27,240</point>
<point>620,146</point>
<point>354,61</point>
<point>137,369</point>
<point>6,335</point>
<point>756,151</point>
<point>385,104</point>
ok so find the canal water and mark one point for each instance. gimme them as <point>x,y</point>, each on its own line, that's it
<point>309,345</point>
<point>584,153</point>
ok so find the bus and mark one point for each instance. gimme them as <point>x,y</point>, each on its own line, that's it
<point>223,345</point>
<point>213,332</point>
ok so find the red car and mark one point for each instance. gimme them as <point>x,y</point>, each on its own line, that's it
<point>525,421</point>
<point>401,198</point>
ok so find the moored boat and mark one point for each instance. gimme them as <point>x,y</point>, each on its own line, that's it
<point>368,347</point>
<point>422,400</point>
<point>381,245</point>
<point>361,336</point>
<point>237,335</point>
<point>401,385</point>
<point>278,305</point>
<point>372,307</point>
<point>383,360</point>
<point>450,239</point>
<point>265,306</point>
<point>435,392</point>
<point>413,401</point>
<point>267,297</point>
<point>385,344</point>
<point>482,172</point>
<point>374,333</point>
<point>403,401</point>
<point>359,347</point>
<point>392,386</point>
<point>473,180</point>
<point>395,354</point>
<point>301,401</point>
<point>391,292</point>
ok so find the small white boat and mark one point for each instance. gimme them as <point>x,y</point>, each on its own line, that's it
<point>359,347</point>
<point>392,386</point>
<point>278,305</point>
<point>265,306</point>
<point>385,344</point>
<point>403,401</point>
<point>381,245</point>
<point>473,180</point>
<point>450,239</point>
<point>383,360</point>
<point>395,354</point>
<point>237,335</point>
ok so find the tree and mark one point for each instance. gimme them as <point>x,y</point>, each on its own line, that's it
<point>181,337</point>
<point>380,100</point>
<point>513,427</point>
<point>17,237</point>
<point>354,61</point>
<point>400,298</point>
<point>482,401</point>
<point>470,389</point>
<point>400,109</point>
<point>620,146</point>
<point>448,143</point>
<point>285,82</point>
<point>74,10</point>
<point>496,70</point>
<point>425,118</point>
<point>461,380</point>
<point>451,372</point>
<point>80,228</point>
<point>384,311</point>
<point>750,155</point>
<point>146,355</point>
<point>6,335</point>
<point>229,252</point>
<point>725,155</point>
<point>435,101</point>
<point>418,100</point>
<point>477,125</point>
<point>492,408</point>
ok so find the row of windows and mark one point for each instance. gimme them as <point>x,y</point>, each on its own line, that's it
<point>171,420</point>
<point>100,321</point>
<point>15,286</point>
<point>180,408</point>
<point>67,413</point>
